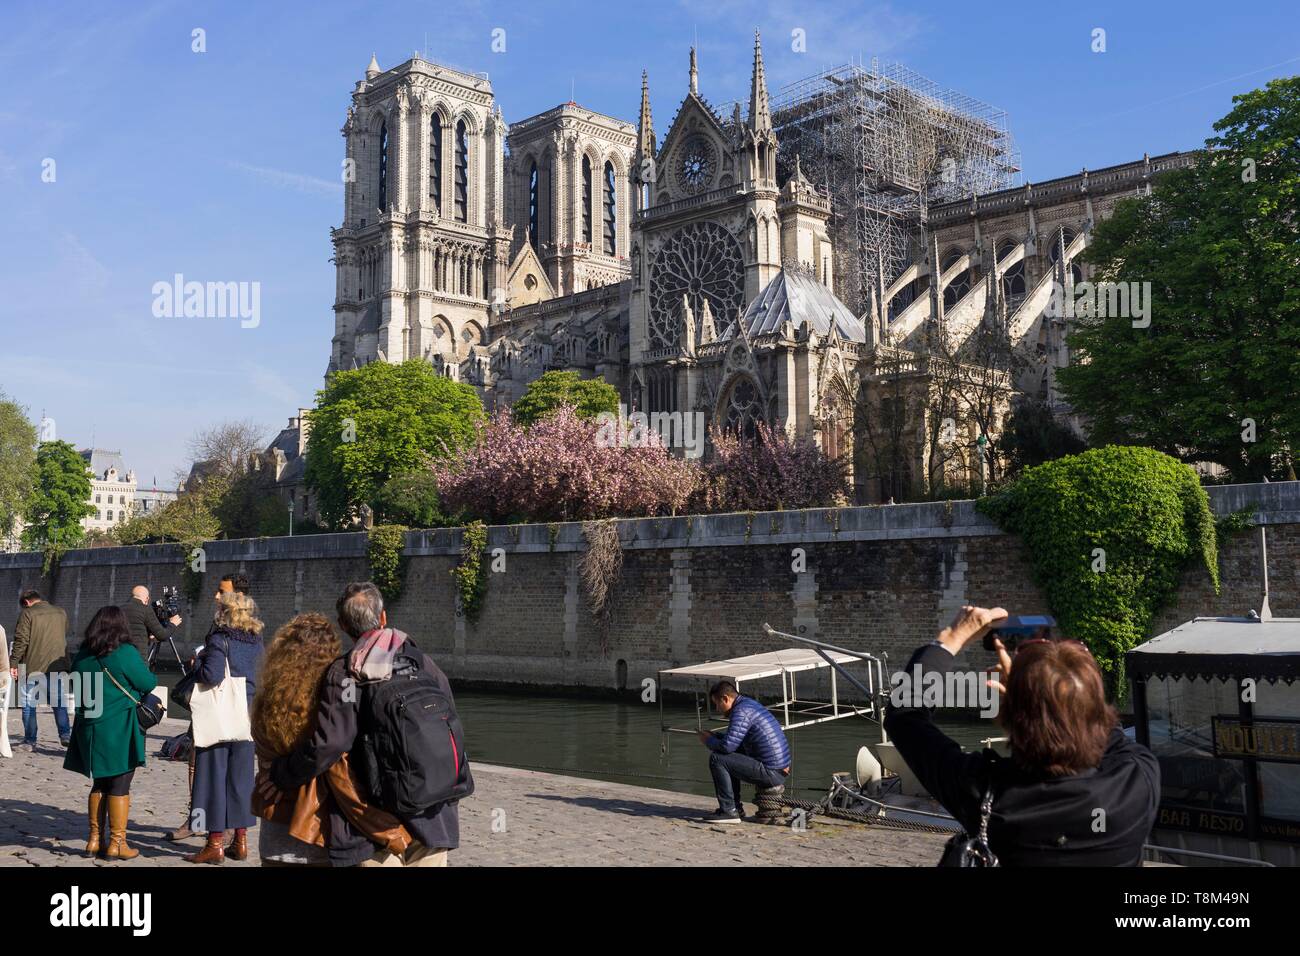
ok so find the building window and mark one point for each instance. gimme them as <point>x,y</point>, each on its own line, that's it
<point>586,199</point>
<point>462,173</point>
<point>611,210</point>
<point>383,167</point>
<point>110,514</point>
<point>97,499</point>
<point>533,211</point>
<point>435,162</point>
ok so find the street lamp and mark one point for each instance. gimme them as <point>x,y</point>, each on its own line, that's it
<point>291,517</point>
<point>982,443</point>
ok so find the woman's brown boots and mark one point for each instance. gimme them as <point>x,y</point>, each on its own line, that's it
<point>212,852</point>
<point>96,808</point>
<point>119,808</point>
<point>238,849</point>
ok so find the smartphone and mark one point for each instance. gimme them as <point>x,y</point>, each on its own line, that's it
<point>1015,628</point>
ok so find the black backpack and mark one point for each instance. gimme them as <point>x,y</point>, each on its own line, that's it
<point>412,745</point>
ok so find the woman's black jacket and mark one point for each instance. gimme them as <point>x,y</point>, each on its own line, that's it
<point>1099,817</point>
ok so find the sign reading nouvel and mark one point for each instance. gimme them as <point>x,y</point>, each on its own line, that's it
<point>1268,739</point>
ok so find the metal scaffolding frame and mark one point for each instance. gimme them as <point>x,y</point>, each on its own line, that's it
<point>886,143</point>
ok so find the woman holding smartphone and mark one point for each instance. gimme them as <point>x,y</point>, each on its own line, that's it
<point>1074,792</point>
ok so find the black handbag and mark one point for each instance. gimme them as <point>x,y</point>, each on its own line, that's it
<point>184,688</point>
<point>965,850</point>
<point>149,712</point>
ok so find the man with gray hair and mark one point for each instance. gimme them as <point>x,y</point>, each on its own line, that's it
<point>348,717</point>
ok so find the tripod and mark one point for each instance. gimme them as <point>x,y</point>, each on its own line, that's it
<point>154,647</point>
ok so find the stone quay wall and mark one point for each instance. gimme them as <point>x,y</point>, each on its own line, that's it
<point>882,579</point>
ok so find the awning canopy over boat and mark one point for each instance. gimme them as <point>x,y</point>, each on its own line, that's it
<point>1222,648</point>
<point>757,666</point>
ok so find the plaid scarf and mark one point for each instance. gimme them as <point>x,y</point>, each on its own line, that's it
<point>373,655</point>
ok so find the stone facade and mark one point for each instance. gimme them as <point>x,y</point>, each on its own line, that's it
<point>112,489</point>
<point>881,579</point>
<point>697,274</point>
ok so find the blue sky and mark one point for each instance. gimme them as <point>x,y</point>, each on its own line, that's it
<point>224,165</point>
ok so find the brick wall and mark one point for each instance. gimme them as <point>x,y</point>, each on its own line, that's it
<point>881,579</point>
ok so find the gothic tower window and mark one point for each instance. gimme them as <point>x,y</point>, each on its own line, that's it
<point>435,162</point>
<point>611,209</point>
<point>586,199</point>
<point>383,166</point>
<point>462,173</point>
<point>533,205</point>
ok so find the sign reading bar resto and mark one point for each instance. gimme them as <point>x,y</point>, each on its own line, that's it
<point>1276,739</point>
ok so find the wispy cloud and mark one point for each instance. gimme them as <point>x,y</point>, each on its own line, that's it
<point>279,178</point>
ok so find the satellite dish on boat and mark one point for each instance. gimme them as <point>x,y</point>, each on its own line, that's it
<point>867,768</point>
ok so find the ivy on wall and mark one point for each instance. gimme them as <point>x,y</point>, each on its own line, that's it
<point>471,577</point>
<point>1109,533</point>
<point>384,546</point>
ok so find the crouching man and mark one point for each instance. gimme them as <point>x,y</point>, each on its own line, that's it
<point>753,749</point>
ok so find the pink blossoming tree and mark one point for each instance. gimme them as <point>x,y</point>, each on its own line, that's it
<point>772,472</point>
<point>562,468</point>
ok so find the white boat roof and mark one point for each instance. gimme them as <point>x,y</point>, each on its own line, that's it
<point>769,664</point>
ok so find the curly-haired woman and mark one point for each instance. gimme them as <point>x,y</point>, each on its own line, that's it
<point>294,829</point>
<point>224,772</point>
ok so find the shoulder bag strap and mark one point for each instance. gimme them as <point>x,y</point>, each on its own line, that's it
<point>117,685</point>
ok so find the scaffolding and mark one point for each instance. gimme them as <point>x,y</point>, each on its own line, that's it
<point>886,144</point>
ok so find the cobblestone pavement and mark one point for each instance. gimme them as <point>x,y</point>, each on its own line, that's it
<point>516,817</point>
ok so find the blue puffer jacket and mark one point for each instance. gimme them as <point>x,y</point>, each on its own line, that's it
<point>755,732</point>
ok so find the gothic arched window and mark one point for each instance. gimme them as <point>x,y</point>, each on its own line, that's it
<point>383,166</point>
<point>744,409</point>
<point>611,210</point>
<point>586,199</point>
<point>956,290</point>
<point>1013,285</point>
<point>435,162</point>
<point>533,197</point>
<point>462,173</point>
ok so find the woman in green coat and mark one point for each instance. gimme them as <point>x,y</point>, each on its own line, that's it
<point>107,742</point>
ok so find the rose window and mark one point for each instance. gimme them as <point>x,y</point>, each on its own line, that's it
<point>702,262</point>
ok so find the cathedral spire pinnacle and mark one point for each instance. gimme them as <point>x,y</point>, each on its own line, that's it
<point>645,132</point>
<point>760,113</point>
<point>373,69</point>
<point>695,74</point>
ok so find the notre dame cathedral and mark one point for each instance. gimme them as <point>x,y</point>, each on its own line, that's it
<point>828,264</point>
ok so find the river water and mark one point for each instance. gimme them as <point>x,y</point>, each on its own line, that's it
<point>619,740</point>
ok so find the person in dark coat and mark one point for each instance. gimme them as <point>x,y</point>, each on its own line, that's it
<point>144,623</point>
<point>224,773</point>
<point>40,654</point>
<point>1075,791</point>
<point>375,646</point>
<point>107,743</point>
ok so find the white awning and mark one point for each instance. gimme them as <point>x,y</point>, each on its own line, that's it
<point>755,666</point>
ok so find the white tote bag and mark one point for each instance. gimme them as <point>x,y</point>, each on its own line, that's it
<point>220,711</point>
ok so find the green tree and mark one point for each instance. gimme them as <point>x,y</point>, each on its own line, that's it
<point>1216,375</point>
<point>411,500</point>
<point>378,421</point>
<point>60,499</point>
<point>17,463</point>
<point>589,396</point>
<point>190,519</point>
<point>1109,533</point>
<point>1032,435</point>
